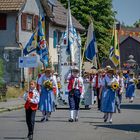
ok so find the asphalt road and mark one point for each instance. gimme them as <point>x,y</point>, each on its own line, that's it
<point>126,125</point>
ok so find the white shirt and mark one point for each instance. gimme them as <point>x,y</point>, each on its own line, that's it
<point>107,80</point>
<point>44,78</point>
<point>35,98</point>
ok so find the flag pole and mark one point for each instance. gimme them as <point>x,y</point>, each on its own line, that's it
<point>118,29</point>
<point>68,33</point>
<point>83,54</point>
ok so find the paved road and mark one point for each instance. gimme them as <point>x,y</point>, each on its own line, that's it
<point>126,126</point>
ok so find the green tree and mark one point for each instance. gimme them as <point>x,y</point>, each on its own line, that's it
<point>103,18</point>
<point>137,23</point>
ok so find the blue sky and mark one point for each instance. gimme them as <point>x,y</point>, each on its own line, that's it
<point>128,11</point>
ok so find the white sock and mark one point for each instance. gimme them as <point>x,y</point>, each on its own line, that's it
<point>131,99</point>
<point>110,117</point>
<point>72,112</point>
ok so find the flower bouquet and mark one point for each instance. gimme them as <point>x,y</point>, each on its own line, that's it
<point>48,84</point>
<point>136,81</point>
<point>59,85</point>
<point>115,86</point>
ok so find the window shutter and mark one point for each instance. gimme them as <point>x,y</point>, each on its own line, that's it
<point>35,23</point>
<point>55,39</point>
<point>23,21</point>
<point>3,21</point>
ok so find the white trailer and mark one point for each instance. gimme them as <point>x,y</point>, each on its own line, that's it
<point>65,68</point>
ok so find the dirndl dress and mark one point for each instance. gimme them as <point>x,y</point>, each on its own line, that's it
<point>130,90</point>
<point>47,99</point>
<point>108,100</point>
<point>108,97</point>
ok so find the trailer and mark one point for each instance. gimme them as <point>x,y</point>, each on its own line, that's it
<point>65,68</point>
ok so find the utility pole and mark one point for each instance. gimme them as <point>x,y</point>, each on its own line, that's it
<point>22,69</point>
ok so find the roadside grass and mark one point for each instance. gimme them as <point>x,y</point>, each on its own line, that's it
<point>14,92</point>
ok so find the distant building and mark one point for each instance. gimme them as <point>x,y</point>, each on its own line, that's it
<point>129,45</point>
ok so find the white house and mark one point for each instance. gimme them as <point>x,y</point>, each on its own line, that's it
<point>18,20</point>
<point>57,26</point>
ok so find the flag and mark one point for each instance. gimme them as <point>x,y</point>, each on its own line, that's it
<point>71,37</point>
<point>114,54</point>
<point>42,48</point>
<point>38,43</point>
<point>91,46</point>
<point>32,44</point>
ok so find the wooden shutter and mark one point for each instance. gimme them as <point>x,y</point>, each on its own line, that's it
<point>23,21</point>
<point>3,21</point>
<point>35,23</point>
<point>54,39</point>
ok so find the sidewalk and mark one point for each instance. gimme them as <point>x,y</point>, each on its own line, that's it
<point>11,104</point>
<point>18,103</point>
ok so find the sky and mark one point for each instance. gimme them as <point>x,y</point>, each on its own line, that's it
<point>128,11</point>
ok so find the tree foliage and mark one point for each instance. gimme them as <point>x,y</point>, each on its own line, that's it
<point>103,17</point>
<point>137,23</point>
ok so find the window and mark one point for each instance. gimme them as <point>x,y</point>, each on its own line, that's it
<point>29,22</point>
<point>3,21</point>
<point>56,38</point>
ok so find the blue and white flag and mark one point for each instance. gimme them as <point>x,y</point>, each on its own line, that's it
<point>42,48</point>
<point>32,44</point>
<point>91,46</point>
<point>71,37</point>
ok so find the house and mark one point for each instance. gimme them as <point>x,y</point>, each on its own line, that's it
<point>56,27</point>
<point>129,44</point>
<point>18,20</point>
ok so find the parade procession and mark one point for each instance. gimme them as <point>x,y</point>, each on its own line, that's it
<point>75,69</point>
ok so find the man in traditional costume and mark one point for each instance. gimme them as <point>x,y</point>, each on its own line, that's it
<point>75,92</point>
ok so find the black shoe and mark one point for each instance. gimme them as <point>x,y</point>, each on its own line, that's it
<point>47,119</point>
<point>76,119</point>
<point>49,114</point>
<point>43,119</point>
<point>71,120</point>
<point>30,137</point>
<point>105,120</point>
<point>119,111</point>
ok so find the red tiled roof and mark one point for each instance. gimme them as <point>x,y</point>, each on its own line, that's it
<point>11,5</point>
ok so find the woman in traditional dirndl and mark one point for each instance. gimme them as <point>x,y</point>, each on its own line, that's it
<point>108,95</point>
<point>47,100</point>
<point>130,87</point>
